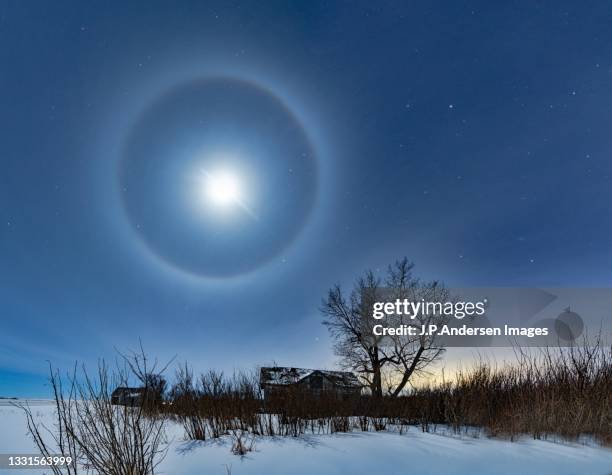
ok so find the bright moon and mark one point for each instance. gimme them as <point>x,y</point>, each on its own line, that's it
<point>222,188</point>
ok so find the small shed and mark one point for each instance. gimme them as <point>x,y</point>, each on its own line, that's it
<point>124,396</point>
<point>276,381</point>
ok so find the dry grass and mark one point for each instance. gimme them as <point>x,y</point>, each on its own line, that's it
<point>563,392</point>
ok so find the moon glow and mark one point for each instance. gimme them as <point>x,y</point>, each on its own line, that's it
<point>222,188</point>
<point>217,177</point>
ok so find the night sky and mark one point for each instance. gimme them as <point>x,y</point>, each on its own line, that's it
<point>472,137</point>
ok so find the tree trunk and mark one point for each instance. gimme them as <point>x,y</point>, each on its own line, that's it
<point>376,379</point>
<point>408,372</point>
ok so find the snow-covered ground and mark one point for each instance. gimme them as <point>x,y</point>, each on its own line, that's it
<point>353,453</point>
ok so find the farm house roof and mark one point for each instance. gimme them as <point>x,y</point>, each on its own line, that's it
<point>280,376</point>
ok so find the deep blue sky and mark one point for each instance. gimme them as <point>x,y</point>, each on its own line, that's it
<point>472,137</point>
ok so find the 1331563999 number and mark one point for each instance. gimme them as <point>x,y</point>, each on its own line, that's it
<point>37,460</point>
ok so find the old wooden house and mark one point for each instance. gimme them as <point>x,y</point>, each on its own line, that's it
<point>124,396</point>
<point>278,381</point>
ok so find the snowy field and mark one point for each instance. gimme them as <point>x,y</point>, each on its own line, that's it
<point>354,453</point>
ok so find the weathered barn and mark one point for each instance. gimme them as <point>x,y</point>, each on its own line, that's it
<point>277,381</point>
<point>123,396</point>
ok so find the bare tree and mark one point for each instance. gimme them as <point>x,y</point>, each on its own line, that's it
<point>99,436</point>
<point>411,355</point>
<point>58,441</point>
<point>149,374</point>
<point>392,359</point>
